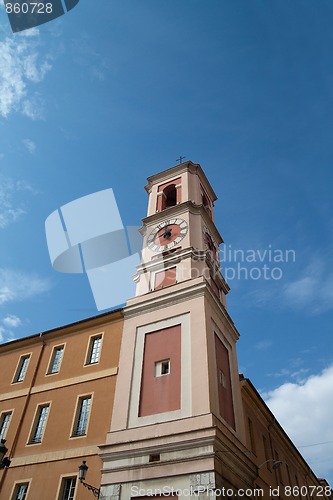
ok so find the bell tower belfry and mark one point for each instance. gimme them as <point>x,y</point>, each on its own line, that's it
<point>177,420</point>
<point>180,238</point>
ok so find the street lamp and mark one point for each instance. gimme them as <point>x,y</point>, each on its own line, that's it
<point>4,461</point>
<point>82,475</point>
<point>276,463</point>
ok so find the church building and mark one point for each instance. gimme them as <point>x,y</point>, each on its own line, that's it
<point>149,397</point>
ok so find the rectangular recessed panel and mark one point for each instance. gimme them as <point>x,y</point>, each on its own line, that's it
<point>161,372</point>
<point>165,278</point>
<point>224,383</point>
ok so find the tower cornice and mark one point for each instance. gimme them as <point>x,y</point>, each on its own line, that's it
<point>162,261</point>
<point>178,210</point>
<point>187,166</point>
<point>167,297</point>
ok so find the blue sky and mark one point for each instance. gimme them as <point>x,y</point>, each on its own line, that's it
<point>113,92</point>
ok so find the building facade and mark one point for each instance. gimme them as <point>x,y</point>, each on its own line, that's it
<point>56,397</point>
<point>149,395</point>
<point>281,470</point>
<point>183,423</point>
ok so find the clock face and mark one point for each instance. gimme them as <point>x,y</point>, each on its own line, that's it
<point>167,234</point>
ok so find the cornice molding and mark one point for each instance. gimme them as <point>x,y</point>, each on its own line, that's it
<point>49,386</point>
<point>53,456</point>
<point>72,328</point>
<point>187,166</point>
<point>178,211</point>
<point>159,299</point>
<point>153,446</point>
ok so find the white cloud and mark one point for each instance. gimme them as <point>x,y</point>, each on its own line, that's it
<point>98,66</point>
<point>309,290</point>
<point>11,321</point>
<point>22,185</point>
<point>30,145</point>
<point>2,333</point>
<point>30,32</point>
<point>318,277</point>
<point>305,412</point>
<point>21,66</point>
<point>10,208</point>
<point>6,294</point>
<point>33,107</point>
<point>8,322</point>
<point>32,70</point>
<point>9,215</point>
<point>263,344</point>
<point>17,285</point>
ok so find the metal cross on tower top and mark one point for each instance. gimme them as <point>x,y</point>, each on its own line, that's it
<point>180,159</point>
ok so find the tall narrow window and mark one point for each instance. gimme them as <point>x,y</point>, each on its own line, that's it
<point>67,488</point>
<point>206,204</point>
<point>82,416</point>
<point>4,423</point>
<point>278,469</point>
<point>288,475</point>
<point>22,368</point>
<point>222,379</point>
<point>39,425</point>
<point>267,454</point>
<point>298,488</point>
<point>251,433</point>
<point>20,491</point>
<point>56,359</point>
<point>94,350</point>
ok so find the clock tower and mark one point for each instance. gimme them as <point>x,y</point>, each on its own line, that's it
<point>177,422</point>
<point>180,240</point>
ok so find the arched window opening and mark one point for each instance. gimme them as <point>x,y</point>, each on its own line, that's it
<point>170,196</point>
